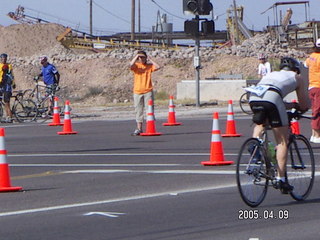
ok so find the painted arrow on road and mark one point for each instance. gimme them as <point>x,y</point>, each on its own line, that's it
<point>106,214</point>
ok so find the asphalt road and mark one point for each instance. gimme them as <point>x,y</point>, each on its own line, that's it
<point>103,183</point>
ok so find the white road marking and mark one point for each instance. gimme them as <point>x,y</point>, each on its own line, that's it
<point>107,201</point>
<point>106,214</point>
<point>108,154</point>
<point>96,165</point>
<point>118,154</point>
<point>153,171</point>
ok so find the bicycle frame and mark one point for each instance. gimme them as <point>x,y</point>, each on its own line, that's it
<point>270,167</point>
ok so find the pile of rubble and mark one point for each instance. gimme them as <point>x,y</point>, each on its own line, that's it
<point>263,43</point>
<point>25,43</point>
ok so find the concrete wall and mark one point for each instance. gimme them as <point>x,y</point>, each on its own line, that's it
<point>222,90</point>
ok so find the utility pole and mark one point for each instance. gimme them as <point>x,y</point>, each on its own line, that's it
<point>133,18</point>
<point>139,17</point>
<point>196,63</point>
<point>90,17</point>
<point>236,22</point>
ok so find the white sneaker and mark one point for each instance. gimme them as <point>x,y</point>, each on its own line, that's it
<point>311,138</point>
<point>315,140</point>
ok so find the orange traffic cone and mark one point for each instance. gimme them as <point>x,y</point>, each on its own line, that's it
<point>56,114</point>
<point>5,185</point>
<point>231,124</point>
<point>67,125</point>
<point>151,127</point>
<point>295,126</point>
<point>171,115</point>
<point>216,152</point>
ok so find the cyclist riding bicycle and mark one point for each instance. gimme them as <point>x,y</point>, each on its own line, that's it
<point>268,106</point>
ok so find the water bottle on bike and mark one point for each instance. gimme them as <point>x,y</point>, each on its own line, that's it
<point>272,153</point>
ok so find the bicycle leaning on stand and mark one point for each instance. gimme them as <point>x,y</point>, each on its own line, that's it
<point>43,96</point>
<point>23,110</point>
<point>244,103</point>
<point>244,98</point>
<point>254,177</point>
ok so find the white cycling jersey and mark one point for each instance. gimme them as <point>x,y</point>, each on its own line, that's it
<point>283,80</point>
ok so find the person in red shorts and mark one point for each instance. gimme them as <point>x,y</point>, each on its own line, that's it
<point>313,63</point>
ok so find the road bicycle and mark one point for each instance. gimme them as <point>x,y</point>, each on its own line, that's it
<point>254,177</point>
<point>23,110</point>
<point>43,96</point>
<point>244,98</point>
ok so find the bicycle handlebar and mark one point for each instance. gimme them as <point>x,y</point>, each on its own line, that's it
<point>295,114</point>
<point>55,88</point>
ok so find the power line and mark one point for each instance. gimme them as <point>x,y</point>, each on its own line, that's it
<point>50,15</point>
<point>76,25</point>
<point>114,15</point>
<point>166,10</point>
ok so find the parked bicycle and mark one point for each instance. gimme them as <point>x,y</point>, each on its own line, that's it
<point>23,110</point>
<point>244,103</point>
<point>43,96</point>
<point>254,177</point>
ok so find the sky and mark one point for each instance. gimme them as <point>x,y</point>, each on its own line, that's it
<point>112,16</point>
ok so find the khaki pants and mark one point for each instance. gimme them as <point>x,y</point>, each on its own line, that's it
<point>140,101</point>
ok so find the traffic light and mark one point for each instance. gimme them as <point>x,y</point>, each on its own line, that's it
<point>207,27</point>
<point>191,27</point>
<point>197,7</point>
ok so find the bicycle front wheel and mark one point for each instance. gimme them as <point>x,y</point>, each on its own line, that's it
<point>29,94</point>
<point>300,167</point>
<point>251,173</point>
<point>25,111</point>
<point>244,103</point>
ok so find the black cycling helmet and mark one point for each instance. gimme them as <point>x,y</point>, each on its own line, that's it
<point>4,55</point>
<point>291,63</point>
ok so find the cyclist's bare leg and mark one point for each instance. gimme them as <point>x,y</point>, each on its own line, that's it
<point>257,131</point>
<point>281,136</point>
<point>7,109</point>
<point>316,133</point>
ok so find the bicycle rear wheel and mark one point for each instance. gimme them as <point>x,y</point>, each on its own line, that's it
<point>44,110</point>
<point>244,103</point>
<point>251,173</point>
<point>300,167</point>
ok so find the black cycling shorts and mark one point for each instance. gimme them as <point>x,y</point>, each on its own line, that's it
<point>265,112</point>
<point>6,96</point>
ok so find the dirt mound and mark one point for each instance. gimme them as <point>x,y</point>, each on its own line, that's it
<point>23,40</point>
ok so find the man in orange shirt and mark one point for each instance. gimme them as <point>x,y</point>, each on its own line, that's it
<point>142,67</point>
<point>313,63</point>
